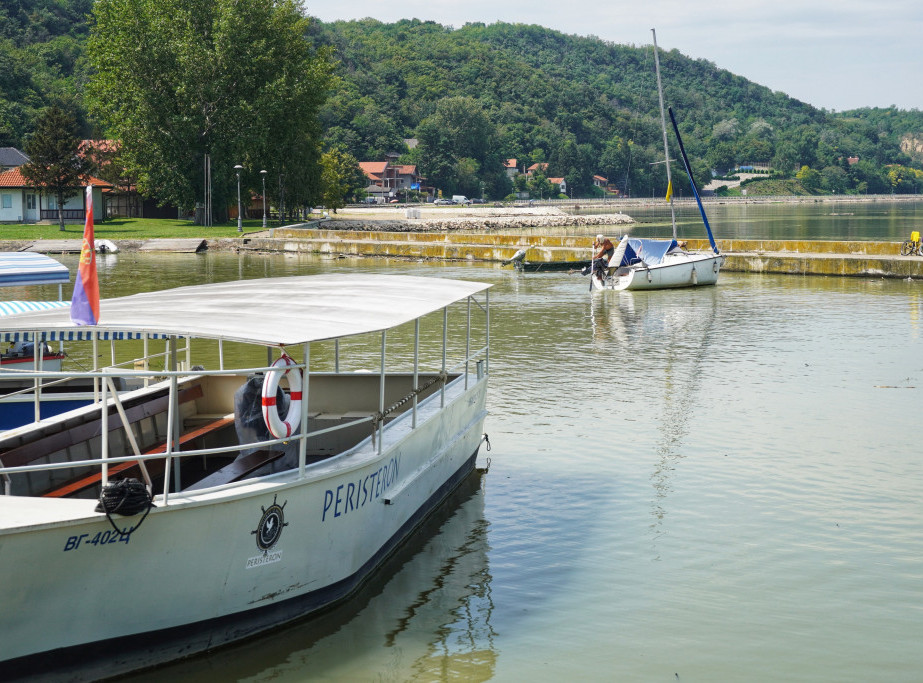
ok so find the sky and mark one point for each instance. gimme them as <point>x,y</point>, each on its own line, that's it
<point>835,55</point>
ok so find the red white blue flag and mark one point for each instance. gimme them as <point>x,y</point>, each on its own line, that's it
<point>85,301</point>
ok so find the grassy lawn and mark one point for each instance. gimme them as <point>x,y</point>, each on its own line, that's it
<point>127,229</point>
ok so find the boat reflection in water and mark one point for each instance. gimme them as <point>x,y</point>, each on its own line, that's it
<point>675,332</point>
<point>426,615</point>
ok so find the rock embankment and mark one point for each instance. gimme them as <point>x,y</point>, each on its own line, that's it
<point>455,219</point>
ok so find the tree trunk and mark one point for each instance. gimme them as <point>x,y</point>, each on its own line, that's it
<point>61,210</point>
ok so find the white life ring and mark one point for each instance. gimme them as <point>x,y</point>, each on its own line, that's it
<point>278,427</point>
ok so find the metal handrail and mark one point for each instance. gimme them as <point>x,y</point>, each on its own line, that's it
<point>97,462</point>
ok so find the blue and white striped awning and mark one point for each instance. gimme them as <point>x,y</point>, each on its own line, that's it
<point>79,334</point>
<point>13,307</point>
<point>83,334</point>
<point>28,268</point>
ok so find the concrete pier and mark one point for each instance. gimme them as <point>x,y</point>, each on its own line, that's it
<point>791,257</point>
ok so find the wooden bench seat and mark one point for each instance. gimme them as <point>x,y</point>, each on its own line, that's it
<point>82,483</point>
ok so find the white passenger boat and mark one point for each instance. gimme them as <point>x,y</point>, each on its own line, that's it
<point>661,264</point>
<point>256,506</point>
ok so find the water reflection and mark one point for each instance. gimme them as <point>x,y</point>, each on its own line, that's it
<point>663,339</point>
<point>443,633</point>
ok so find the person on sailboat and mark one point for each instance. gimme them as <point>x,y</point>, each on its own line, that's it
<point>604,251</point>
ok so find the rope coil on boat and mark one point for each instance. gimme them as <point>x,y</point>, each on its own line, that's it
<point>125,497</point>
<point>278,427</point>
<point>378,418</point>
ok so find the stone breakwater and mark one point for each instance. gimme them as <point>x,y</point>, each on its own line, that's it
<point>472,223</point>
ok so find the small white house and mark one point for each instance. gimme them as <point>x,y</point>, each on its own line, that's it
<point>22,202</point>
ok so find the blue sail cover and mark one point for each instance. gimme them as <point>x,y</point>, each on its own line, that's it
<point>650,252</point>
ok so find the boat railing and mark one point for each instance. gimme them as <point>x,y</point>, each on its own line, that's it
<point>106,395</point>
<point>43,384</point>
<point>109,399</point>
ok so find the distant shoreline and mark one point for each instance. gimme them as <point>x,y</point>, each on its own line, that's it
<point>552,206</point>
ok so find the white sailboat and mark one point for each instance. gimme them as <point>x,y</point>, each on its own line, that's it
<point>249,506</point>
<point>656,263</point>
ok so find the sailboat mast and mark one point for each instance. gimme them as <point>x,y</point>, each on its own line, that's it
<point>663,127</point>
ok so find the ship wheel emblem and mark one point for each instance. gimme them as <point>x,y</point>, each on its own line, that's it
<point>269,529</point>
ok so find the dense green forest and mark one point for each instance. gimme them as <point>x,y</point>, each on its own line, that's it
<point>480,94</point>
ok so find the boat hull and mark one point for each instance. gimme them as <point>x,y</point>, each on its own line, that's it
<point>677,270</point>
<point>218,565</point>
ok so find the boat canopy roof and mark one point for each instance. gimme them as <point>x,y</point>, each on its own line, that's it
<point>29,268</point>
<point>270,311</point>
<point>649,251</point>
<point>13,307</point>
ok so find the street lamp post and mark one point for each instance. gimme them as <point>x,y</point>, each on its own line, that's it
<point>240,225</point>
<point>263,173</point>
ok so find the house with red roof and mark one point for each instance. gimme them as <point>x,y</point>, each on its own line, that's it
<point>560,182</point>
<point>387,179</point>
<point>23,202</point>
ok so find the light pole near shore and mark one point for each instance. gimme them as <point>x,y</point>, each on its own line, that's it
<point>263,173</point>
<point>240,225</point>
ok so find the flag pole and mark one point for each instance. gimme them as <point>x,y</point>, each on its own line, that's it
<point>85,299</point>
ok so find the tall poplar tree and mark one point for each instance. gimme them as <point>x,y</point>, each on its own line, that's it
<point>176,80</point>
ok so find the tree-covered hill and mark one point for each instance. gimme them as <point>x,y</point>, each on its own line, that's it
<point>587,106</point>
<point>583,105</point>
<point>41,50</point>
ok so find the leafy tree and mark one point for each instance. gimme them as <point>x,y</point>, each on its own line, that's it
<point>755,149</point>
<point>615,161</point>
<point>834,179</point>
<point>725,130</point>
<point>904,179</point>
<point>869,178</point>
<point>176,80</point>
<point>576,162</point>
<point>341,178</point>
<point>760,129</point>
<point>785,159</point>
<point>55,162</point>
<point>467,177</point>
<point>810,179</point>
<point>521,182</point>
<point>459,130</point>
<point>539,186</point>
<point>722,156</point>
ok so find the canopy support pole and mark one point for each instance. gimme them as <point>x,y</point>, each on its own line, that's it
<point>416,369</point>
<point>445,344</point>
<point>381,394</point>
<point>305,387</point>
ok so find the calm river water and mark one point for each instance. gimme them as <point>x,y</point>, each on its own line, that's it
<point>828,220</point>
<point>720,484</point>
